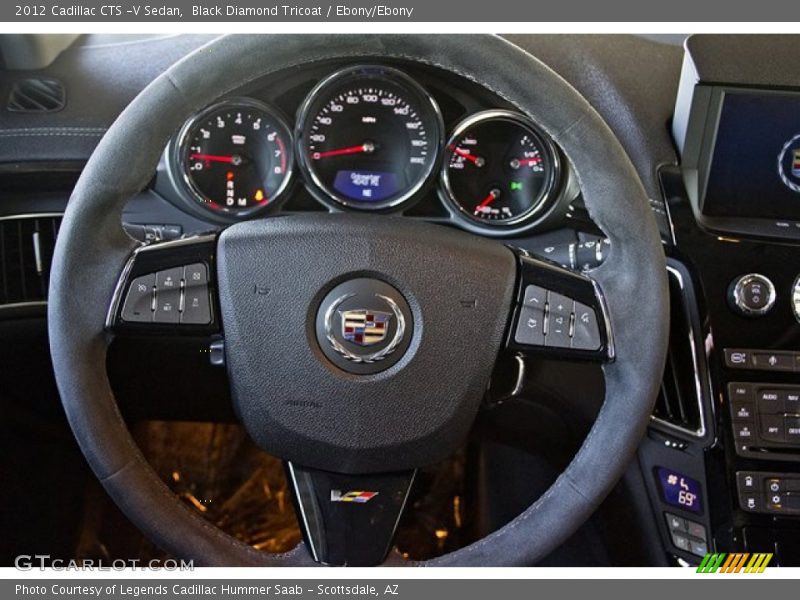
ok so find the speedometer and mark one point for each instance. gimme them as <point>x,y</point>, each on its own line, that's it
<point>368,138</point>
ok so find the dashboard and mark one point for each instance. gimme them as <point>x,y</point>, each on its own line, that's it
<point>389,138</point>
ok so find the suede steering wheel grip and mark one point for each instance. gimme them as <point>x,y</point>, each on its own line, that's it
<point>92,248</point>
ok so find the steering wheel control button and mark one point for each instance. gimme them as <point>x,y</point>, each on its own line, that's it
<point>559,320</point>
<point>573,323</point>
<point>364,326</point>
<point>586,332</point>
<point>168,295</point>
<point>195,305</point>
<point>530,328</point>
<point>535,297</point>
<point>138,307</point>
<point>752,295</point>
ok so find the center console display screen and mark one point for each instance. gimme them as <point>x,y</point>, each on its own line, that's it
<point>755,165</point>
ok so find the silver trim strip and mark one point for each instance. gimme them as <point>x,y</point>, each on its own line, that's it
<point>44,215</point>
<point>15,305</point>
<point>402,508</point>
<point>297,495</point>
<point>601,301</point>
<point>520,382</point>
<point>37,252</point>
<point>668,213</point>
<point>701,432</point>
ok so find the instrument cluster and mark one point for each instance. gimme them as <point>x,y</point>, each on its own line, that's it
<point>368,138</point>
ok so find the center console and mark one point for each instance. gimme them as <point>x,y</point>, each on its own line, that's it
<point>734,203</point>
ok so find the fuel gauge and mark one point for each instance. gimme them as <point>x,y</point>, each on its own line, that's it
<point>498,170</point>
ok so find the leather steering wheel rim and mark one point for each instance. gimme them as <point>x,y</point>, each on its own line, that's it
<point>92,247</point>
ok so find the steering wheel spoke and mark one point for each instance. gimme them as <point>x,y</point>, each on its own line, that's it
<point>349,520</point>
<point>558,314</point>
<point>168,287</point>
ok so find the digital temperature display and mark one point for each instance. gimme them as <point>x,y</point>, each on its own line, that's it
<point>679,491</point>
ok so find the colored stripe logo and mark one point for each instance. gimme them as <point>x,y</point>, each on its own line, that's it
<point>358,496</point>
<point>737,562</point>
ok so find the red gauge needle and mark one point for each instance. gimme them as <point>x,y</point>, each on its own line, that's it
<point>529,161</point>
<point>493,195</point>
<point>213,158</point>
<point>477,160</point>
<point>366,147</point>
<point>466,155</point>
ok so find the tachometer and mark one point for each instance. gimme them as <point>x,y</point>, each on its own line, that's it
<point>236,157</point>
<point>368,137</point>
<point>498,170</point>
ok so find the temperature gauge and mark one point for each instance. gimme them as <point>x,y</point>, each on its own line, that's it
<point>498,170</point>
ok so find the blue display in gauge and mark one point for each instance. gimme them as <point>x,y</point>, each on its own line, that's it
<point>366,186</point>
<point>680,491</point>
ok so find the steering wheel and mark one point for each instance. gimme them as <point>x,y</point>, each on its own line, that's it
<point>352,421</point>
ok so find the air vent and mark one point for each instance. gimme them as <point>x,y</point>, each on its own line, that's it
<point>36,95</point>
<point>679,407</point>
<point>26,249</point>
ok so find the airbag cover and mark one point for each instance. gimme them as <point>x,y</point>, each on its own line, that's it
<point>295,402</point>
